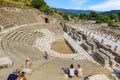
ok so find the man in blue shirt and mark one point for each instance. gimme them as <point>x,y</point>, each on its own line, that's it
<point>46,55</point>
<point>13,76</point>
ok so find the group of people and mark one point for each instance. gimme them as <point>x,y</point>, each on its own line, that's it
<point>17,75</point>
<point>72,72</point>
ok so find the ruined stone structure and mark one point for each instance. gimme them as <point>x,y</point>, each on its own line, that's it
<point>87,47</point>
<point>24,34</point>
<point>103,52</point>
<point>92,44</point>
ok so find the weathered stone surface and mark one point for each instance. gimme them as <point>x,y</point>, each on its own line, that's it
<point>102,58</point>
<point>92,44</point>
<point>5,62</point>
<point>98,77</point>
<point>87,47</point>
<point>107,53</point>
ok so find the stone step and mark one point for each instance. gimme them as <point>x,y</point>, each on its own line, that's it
<point>18,37</point>
<point>15,36</point>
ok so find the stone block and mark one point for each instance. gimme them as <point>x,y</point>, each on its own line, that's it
<point>5,62</point>
<point>98,77</point>
<point>107,53</point>
<point>92,44</point>
<point>102,58</point>
<point>87,47</point>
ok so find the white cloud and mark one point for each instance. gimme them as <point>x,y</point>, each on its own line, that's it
<point>106,6</point>
<point>79,2</point>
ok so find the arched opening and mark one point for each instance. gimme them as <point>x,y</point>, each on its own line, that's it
<point>46,20</point>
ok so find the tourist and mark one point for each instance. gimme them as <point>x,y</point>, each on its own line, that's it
<point>28,62</point>
<point>13,75</point>
<point>79,71</point>
<point>46,55</point>
<point>21,76</point>
<point>71,71</point>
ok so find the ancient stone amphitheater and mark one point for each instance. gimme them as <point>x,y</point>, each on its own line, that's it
<point>24,34</point>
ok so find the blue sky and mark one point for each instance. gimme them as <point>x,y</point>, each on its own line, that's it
<point>98,5</point>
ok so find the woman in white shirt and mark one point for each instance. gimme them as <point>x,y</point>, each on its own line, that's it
<point>71,71</point>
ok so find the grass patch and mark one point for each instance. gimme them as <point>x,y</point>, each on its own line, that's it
<point>14,2</point>
<point>1,67</point>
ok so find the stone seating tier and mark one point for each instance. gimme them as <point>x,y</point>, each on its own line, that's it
<point>20,37</point>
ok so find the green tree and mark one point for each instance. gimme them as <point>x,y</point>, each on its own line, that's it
<point>119,15</point>
<point>81,16</point>
<point>94,15</point>
<point>37,3</point>
<point>85,16</point>
<point>15,0</point>
<point>65,16</point>
<point>103,19</point>
<point>46,9</point>
<point>114,17</point>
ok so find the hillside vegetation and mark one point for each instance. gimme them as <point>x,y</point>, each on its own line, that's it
<point>112,18</point>
<point>39,4</point>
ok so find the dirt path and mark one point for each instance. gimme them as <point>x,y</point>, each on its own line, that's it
<point>62,47</point>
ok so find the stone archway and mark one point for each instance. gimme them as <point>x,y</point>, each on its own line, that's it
<point>46,20</point>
